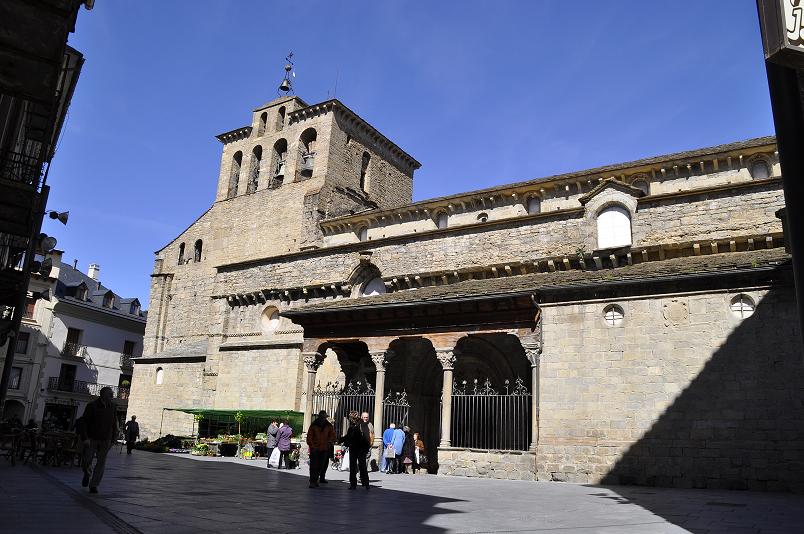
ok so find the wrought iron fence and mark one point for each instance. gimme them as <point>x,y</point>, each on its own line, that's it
<point>485,418</point>
<point>125,361</point>
<point>85,388</point>
<point>73,350</point>
<point>338,402</point>
<point>395,409</point>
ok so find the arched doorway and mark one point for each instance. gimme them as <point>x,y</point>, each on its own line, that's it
<point>14,409</point>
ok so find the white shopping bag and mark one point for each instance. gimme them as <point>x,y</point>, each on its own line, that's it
<point>273,461</point>
<point>344,461</point>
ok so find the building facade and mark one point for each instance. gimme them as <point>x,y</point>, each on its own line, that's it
<point>80,339</point>
<point>631,323</point>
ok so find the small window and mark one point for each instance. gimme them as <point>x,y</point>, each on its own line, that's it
<point>307,142</point>
<point>30,308</point>
<point>613,227</point>
<point>160,375</point>
<point>375,286</point>
<point>613,315</point>
<point>197,251</point>
<point>108,300</point>
<point>760,170</point>
<point>234,176</point>
<point>280,118</point>
<point>263,121</point>
<point>362,234</point>
<point>254,173</point>
<point>22,342</point>
<point>742,306</point>
<point>442,221</point>
<point>16,378</point>
<point>269,320</point>
<point>534,205</point>
<point>81,292</point>
<point>135,308</point>
<point>483,217</point>
<point>364,170</point>
<point>128,348</point>
<point>181,254</point>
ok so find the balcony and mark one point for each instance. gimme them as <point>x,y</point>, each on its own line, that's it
<point>85,388</point>
<point>74,350</point>
<point>125,361</point>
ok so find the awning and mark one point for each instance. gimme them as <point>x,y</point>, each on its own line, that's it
<point>296,418</point>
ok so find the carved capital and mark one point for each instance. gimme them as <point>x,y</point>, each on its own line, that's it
<point>312,360</point>
<point>533,352</point>
<point>446,358</point>
<point>380,358</point>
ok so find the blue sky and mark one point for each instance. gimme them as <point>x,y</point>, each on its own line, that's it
<point>481,93</point>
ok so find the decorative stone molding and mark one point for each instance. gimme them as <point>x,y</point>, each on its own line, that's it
<point>533,352</point>
<point>446,358</point>
<point>380,358</point>
<point>312,360</point>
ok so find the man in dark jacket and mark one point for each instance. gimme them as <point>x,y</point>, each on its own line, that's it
<point>132,431</point>
<point>357,438</point>
<point>98,431</point>
<point>320,436</point>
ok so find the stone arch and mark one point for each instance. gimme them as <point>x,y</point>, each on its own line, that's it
<point>759,166</point>
<point>362,275</point>
<point>14,409</point>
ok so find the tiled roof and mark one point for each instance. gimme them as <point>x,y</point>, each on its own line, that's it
<point>547,281</point>
<point>70,278</point>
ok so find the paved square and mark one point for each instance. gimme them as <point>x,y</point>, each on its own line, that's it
<point>154,493</point>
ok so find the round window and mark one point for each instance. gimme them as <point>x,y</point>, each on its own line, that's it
<point>742,306</point>
<point>613,315</point>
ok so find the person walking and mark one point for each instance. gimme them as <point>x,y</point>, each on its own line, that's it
<point>320,436</point>
<point>408,450</point>
<point>398,441</point>
<point>418,456</point>
<point>357,439</point>
<point>387,441</point>
<point>98,429</point>
<point>270,439</point>
<point>132,431</point>
<point>283,436</point>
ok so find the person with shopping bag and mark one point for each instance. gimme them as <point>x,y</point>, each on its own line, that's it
<point>270,443</point>
<point>357,439</point>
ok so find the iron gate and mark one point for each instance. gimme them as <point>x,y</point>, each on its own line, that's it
<point>338,402</point>
<point>395,409</point>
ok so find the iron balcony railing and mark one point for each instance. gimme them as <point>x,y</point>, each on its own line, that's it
<point>84,388</point>
<point>125,361</point>
<point>73,350</point>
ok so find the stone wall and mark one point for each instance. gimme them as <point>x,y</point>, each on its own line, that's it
<point>683,393</point>
<point>509,465</point>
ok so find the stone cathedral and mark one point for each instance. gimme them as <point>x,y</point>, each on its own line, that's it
<point>633,323</point>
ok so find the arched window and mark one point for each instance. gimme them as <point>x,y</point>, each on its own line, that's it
<point>442,220</point>
<point>197,251</point>
<point>362,234</point>
<point>742,306</point>
<point>375,286</point>
<point>234,176</point>
<point>269,320</point>
<point>279,156</point>
<point>483,217</point>
<point>613,315</point>
<point>160,375</point>
<point>613,227</point>
<point>760,170</point>
<point>307,147</point>
<point>263,122</point>
<point>254,175</point>
<point>534,205</point>
<point>364,165</point>
<point>181,255</point>
<point>280,118</point>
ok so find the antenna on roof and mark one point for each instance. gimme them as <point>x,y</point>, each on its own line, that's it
<point>286,86</point>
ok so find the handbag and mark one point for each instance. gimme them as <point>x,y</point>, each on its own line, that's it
<point>407,460</point>
<point>273,461</point>
<point>389,452</point>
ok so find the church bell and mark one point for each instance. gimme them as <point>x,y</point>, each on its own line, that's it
<point>284,86</point>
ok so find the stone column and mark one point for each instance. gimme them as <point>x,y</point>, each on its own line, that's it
<point>312,360</point>
<point>447,359</point>
<point>533,352</point>
<point>380,358</point>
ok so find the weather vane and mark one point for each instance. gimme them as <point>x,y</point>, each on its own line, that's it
<point>286,86</point>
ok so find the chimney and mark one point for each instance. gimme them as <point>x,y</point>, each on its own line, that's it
<point>94,271</point>
<point>75,265</point>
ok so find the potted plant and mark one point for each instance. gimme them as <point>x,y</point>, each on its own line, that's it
<point>239,417</point>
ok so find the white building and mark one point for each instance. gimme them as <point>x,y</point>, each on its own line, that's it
<point>71,346</point>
